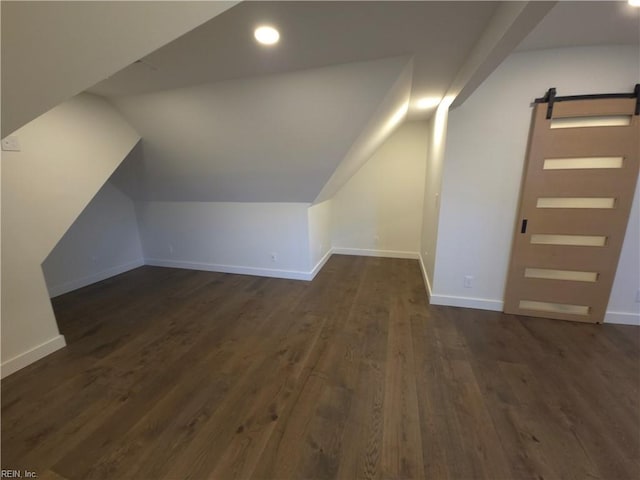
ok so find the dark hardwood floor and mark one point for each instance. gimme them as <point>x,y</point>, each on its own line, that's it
<point>175,374</point>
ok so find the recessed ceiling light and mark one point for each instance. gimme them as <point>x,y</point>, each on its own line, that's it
<point>634,3</point>
<point>427,102</point>
<point>266,35</point>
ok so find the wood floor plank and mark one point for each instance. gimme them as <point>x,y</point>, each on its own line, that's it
<point>49,475</point>
<point>338,364</point>
<point>362,441</point>
<point>284,452</point>
<point>249,407</point>
<point>182,374</point>
<point>269,404</point>
<point>401,441</point>
<point>282,456</point>
<point>435,426</point>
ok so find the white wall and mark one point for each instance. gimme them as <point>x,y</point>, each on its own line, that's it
<point>432,185</point>
<point>67,155</point>
<point>319,234</point>
<point>380,207</point>
<point>383,199</point>
<point>623,306</point>
<point>101,243</point>
<point>227,237</point>
<point>484,157</point>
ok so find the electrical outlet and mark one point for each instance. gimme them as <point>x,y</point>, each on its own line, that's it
<point>468,281</point>
<point>274,257</point>
<point>171,249</point>
<point>638,296</point>
<point>10,144</point>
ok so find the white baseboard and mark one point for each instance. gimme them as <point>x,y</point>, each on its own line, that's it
<point>622,318</point>
<point>33,355</point>
<point>320,264</point>
<point>467,302</point>
<point>56,290</point>
<point>425,277</point>
<point>364,252</point>
<point>214,267</point>
<point>275,273</point>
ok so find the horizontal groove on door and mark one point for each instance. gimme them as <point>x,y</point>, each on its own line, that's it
<point>575,202</point>
<point>551,274</point>
<point>595,121</point>
<point>573,240</point>
<point>554,307</point>
<point>582,163</point>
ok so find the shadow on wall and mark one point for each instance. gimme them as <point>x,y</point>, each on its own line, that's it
<point>129,177</point>
<point>102,242</point>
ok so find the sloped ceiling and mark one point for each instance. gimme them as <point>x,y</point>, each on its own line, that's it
<point>269,139</point>
<point>314,34</point>
<point>572,24</point>
<point>53,50</point>
<point>225,119</point>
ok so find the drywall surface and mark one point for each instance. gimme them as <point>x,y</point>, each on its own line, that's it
<point>484,157</point>
<point>314,35</point>
<point>101,243</point>
<point>54,50</point>
<point>319,233</point>
<point>66,155</point>
<point>433,181</point>
<point>380,207</point>
<point>269,239</point>
<point>624,306</point>
<point>391,111</point>
<point>275,138</point>
<point>510,23</point>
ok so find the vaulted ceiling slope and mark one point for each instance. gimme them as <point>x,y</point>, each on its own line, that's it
<point>314,35</point>
<point>225,119</point>
<point>580,23</point>
<point>269,139</point>
<point>53,50</point>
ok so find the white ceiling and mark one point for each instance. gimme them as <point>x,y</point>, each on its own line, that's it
<point>54,50</point>
<point>269,139</point>
<point>313,35</point>
<point>225,119</point>
<point>571,24</point>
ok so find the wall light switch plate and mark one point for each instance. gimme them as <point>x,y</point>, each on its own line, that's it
<point>10,144</point>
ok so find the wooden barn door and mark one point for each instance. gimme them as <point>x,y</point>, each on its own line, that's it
<point>578,185</point>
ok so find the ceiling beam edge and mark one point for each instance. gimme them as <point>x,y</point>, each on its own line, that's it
<point>508,26</point>
<point>52,51</point>
<point>390,113</point>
